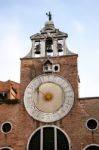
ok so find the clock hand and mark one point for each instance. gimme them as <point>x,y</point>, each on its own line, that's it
<point>47,96</point>
<point>42,92</point>
<point>39,91</point>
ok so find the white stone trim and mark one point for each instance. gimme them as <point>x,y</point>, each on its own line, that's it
<point>30,95</point>
<point>43,48</point>
<point>2,127</point>
<point>55,127</point>
<point>33,48</point>
<point>55,139</point>
<point>91,145</point>
<point>6,147</point>
<point>55,52</point>
<point>41,139</point>
<point>97,124</point>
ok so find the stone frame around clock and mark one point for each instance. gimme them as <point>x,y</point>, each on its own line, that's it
<point>62,111</point>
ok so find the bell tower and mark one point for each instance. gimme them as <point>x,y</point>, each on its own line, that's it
<point>50,115</point>
<point>49,89</point>
<point>49,42</point>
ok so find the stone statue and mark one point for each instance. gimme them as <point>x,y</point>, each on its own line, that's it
<point>49,15</point>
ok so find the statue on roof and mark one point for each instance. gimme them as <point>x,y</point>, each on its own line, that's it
<point>49,15</point>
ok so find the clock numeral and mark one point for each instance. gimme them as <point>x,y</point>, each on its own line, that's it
<point>36,84</point>
<point>51,78</point>
<point>48,117</point>
<point>42,79</point>
<point>65,86</point>
<point>68,88</point>
<point>28,90</point>
<point>69,94</point>
<point>69,100</point>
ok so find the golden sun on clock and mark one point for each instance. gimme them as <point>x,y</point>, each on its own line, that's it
<point>50,97</point>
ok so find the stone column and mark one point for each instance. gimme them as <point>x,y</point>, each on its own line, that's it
<point>33,47</point>
<point>42,48</point>
<point>64,46</point>
<point>55,52</point>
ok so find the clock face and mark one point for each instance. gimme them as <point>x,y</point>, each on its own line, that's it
<point>48,98</point>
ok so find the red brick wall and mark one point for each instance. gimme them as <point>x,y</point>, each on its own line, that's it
<point>30,68</point>
<point>74,123</point>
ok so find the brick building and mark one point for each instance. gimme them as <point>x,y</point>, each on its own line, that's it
<point>9,90</point>
<point>50,114</point>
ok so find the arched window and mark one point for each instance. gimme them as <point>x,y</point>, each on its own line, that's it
<point>48,138</point>
<point>6,148</point>
<point>92,147</point>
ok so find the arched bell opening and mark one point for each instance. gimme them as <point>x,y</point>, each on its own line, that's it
<point>60,46</point>
<point>37,47</point>
<point>49,138</point>
<point>49,45</point>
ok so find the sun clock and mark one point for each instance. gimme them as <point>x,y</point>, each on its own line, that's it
<point>48,98</point>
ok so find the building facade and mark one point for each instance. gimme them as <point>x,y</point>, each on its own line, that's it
<point>50,114</point>
<point>9,90</point>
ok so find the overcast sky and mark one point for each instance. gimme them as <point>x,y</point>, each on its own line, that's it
<point>19,19</point>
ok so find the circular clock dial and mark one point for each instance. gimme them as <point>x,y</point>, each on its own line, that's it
<point>48,98</point>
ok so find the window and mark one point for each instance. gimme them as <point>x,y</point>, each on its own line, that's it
<point>48,138</point>
<point>5,148</point>
<point>92,124</point>
<point>3,95</point>
<point>6,127</point>
<point>92,147</point>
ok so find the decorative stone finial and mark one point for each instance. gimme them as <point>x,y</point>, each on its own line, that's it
<point>49,15</point>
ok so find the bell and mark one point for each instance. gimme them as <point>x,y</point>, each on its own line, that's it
<point>37,49</point>
<point>60,50</point>
<point>49,49</point>
<point>59,47</point>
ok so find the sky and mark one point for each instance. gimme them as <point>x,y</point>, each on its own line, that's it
<point>19,19</point>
